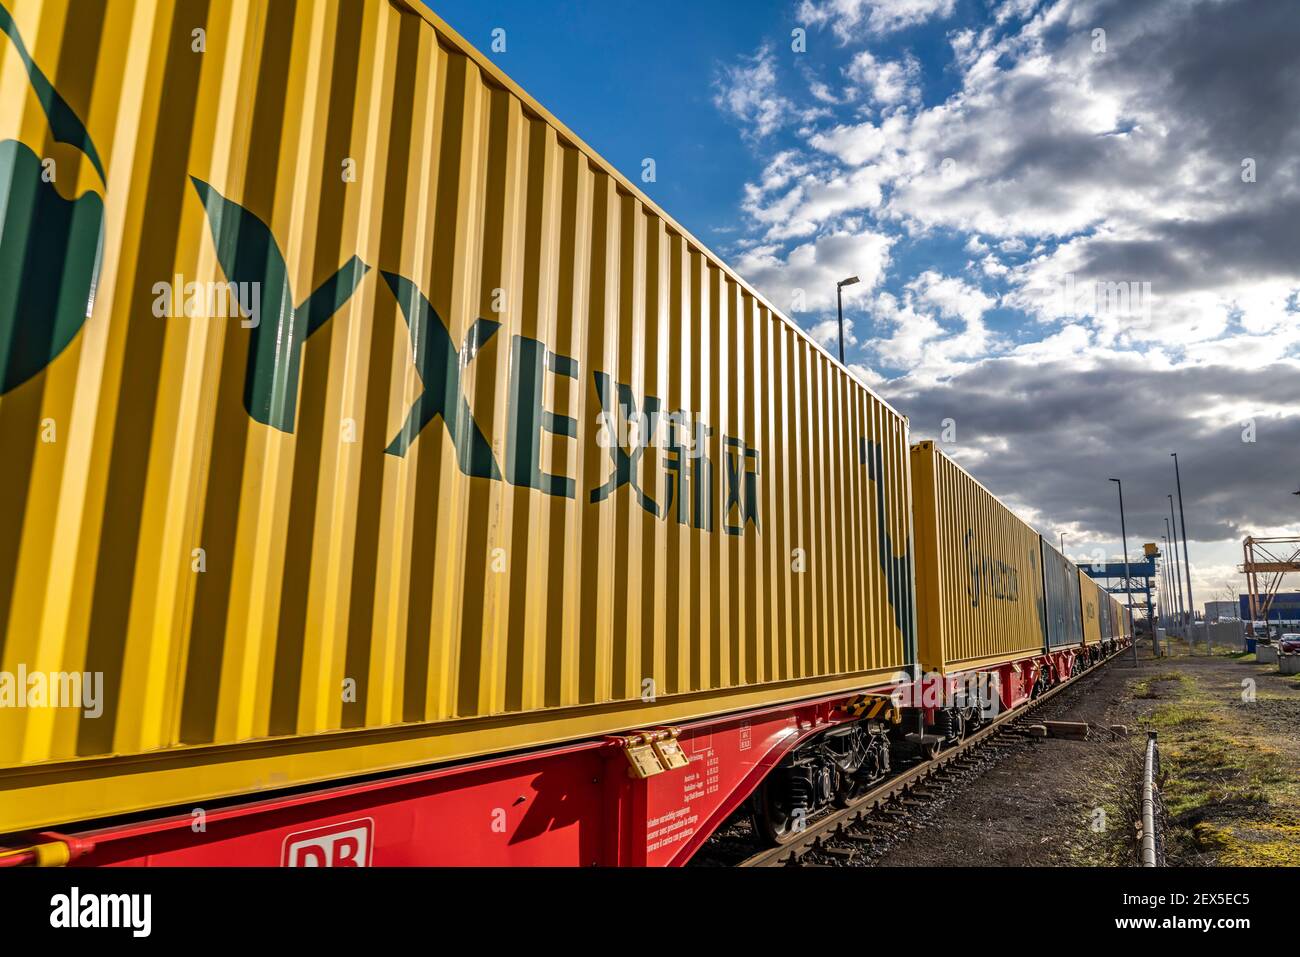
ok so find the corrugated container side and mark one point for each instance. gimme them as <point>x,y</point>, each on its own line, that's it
<point>1061,585</point>
<point>979,582</point>
<point>387,525</point>
<point>1090,596</point>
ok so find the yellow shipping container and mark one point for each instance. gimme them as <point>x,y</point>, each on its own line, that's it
<point>383,423</point>
<point>979,583</point>
<point>1091,594</point>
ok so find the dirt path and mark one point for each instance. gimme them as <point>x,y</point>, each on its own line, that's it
<point>1231,774</point>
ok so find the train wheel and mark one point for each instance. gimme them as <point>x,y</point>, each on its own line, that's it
<point>1040,685</point>
<point>774,817</point>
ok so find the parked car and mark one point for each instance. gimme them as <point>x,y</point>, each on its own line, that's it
<point>1289,644</point>
<point>1265,632</point>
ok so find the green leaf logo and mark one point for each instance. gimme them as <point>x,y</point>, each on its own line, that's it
<point>248,254</point>
<point>50,247</point>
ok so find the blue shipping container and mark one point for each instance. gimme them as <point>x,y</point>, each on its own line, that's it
<point>1064,611</point>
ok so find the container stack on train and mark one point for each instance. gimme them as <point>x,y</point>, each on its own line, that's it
<point>1064,612</point>
<point>1091,597</point>
<point>418,556</point>
<point>412,591</point>
<point>980,600</point>
<point>998,607</point>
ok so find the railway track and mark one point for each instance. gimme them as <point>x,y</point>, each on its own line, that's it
<point>912,787</point>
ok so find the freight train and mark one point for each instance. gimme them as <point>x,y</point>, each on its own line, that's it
<point>389,481</point>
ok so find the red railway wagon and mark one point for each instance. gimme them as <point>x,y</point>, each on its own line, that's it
<point>499,523</point>
<point>545,540</point>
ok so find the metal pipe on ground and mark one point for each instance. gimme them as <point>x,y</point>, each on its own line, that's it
<point>1149,803</point>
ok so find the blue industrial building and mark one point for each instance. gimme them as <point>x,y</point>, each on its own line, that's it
<point>1285,607</point>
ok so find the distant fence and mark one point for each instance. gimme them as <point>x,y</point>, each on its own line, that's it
<point>1224,634</point>
<point>1221,635</point>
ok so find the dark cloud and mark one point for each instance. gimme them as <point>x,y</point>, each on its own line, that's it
<point>1215,83</point>
<point>1053,434</point>
<point>1191,255</point>
<point>1225,74</point>
<point>1127,163</point>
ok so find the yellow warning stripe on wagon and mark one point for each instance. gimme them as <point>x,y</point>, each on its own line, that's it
<point>873,707</point>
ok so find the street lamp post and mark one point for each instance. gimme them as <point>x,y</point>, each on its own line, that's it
<point>1128,581</point>
<point>839,305</point>
<point>1166,584</point>
<point>1164,581</point>
<point>1063,543</point>
<point>1169,584</point>
<point>1165,591</point>
<point>1191,602</point>
<point>1178,569</point>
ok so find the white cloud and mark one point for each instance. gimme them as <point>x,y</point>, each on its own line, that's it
<point>813,200</point>
<point>1053,164</point>
<point>1018,9</point>
<point>747,91</point>
<point>1044,432</point>
<point>993,267</point>
<point>859,143</point>
<point>886,82</point>
<point>848,18</point>
<point>868,377</point>
<point>827,332</point>
<point>1082,168</point>
<point>822,92</point>
<point>806,275</point>
<point>951,297</point>
<point>918,339</point>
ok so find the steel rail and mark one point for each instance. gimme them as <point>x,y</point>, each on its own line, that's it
<point>838,822</point>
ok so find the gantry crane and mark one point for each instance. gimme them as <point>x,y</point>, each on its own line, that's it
<point>1267,560</point>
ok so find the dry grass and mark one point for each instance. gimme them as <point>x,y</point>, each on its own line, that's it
<point>1109,788</point>
<point>1230,792</point>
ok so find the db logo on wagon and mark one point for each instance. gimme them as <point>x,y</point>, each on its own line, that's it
<point>347,844</point>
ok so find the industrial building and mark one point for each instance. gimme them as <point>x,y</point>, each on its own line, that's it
<point>1284,609</point>
<point>1222,611</point>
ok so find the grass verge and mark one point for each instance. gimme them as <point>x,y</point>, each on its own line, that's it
<point>1230,798</point>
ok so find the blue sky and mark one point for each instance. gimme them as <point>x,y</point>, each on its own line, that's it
<point>634,80</point>
<point>640,80</point>
<point>1077,221</point>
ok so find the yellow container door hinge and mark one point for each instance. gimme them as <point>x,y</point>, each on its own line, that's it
<point>652,752</point>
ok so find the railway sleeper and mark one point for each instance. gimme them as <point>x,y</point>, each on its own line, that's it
<point>835,768</point>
